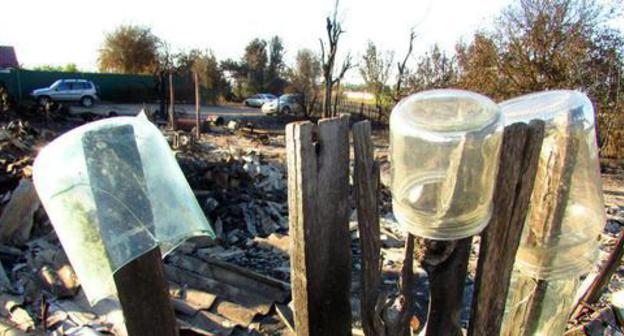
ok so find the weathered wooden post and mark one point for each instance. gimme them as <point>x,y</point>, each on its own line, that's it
<point>318,204</point>
<point>366,185</point>
<point>197,123</point>
<point>172,120</point>
<point>499,241</point>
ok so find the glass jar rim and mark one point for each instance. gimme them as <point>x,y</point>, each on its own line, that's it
<point>455,111</point>
<point>546,105</point>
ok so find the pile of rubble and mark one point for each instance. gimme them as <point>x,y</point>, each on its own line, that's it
<point>236,285</point>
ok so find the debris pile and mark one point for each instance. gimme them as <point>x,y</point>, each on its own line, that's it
<point>17,141</point>
<point>244,196</point>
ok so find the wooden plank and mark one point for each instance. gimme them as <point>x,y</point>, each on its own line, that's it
<point>595,290</point>
<point>318,197</point>
<point>245,298</point>
<point>500,240</point>
<point>366,183</point>
<point>194,298</point>
<point>302,175</point>
<point>236,313</point>
<point>232,276</point>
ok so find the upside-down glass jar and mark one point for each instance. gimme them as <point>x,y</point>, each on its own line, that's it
<point>444,148</point>
<point>566,211</point>
<point>114,191</point>
<point>560,238</point>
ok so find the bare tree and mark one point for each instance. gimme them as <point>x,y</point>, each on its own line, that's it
<point>346,65</point>
<point>401,69</point>
<point>328,58</point>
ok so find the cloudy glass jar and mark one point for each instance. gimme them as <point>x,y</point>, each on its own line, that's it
<point>566,213</point>
<point>560,238</point>
<point>445,147</point>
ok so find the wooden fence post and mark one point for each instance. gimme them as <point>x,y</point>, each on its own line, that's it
<point>379,316</point>
<point>144,296</point>
<point>446,264</point>
<point>172,117</point>
<point>318,204</point>
<point>500,240</point>
<point>197,107</point>
<point>366,185</point>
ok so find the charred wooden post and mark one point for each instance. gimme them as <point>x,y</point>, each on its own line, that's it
<point>318,202</point>
<point>446,264</point>
<point>144,296</point>
<point>500,240</point>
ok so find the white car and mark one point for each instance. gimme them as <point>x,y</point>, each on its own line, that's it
<point>259,99</point>
<point>76,90</point>
<point>286,104</point>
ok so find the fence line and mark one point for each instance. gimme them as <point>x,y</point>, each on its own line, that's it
<point>364,111</point>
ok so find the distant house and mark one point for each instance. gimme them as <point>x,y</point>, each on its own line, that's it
<point>8,58</point>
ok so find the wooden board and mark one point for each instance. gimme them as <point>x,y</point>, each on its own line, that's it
<point>500,240</point>
<point>318,200</point>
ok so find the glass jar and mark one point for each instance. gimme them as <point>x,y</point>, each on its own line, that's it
<point>559,241</point>
<point>114,191</point>
<point>566,211</point>
<point>444,148</point>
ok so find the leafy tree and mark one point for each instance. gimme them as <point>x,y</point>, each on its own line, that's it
<point>553,44</point>
<point>210,75</point>
<point>184,61</point>
<point>434,70</point>
<point>255,61</point>
<point>479,67</point>
<point>375,70</point>
<point>305,78</point>
<point>129,49</point>
<point>237,71</point>
<point>69,67</point>
<point>275,70</point>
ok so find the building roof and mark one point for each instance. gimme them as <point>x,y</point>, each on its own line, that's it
<point>8,58</point>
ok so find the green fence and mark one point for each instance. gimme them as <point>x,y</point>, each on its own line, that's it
<point>111,87</point>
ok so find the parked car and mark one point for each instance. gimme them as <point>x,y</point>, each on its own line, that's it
<point>287,104</point>
<point>259,99</point>
<point>67,90</point>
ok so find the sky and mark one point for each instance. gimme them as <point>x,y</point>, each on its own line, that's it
<point>71,31</point>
